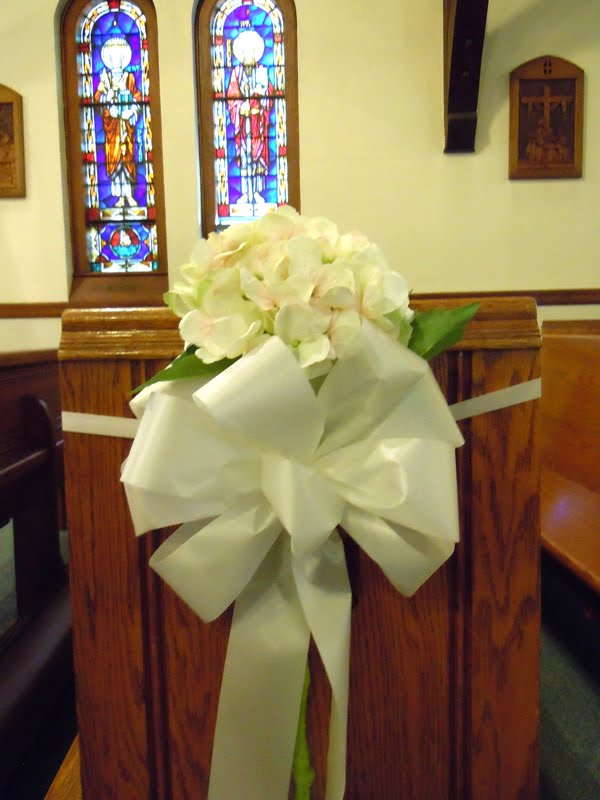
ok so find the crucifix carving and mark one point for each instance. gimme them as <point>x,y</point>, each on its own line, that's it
<point>546,119</point>
<point>549,102</point>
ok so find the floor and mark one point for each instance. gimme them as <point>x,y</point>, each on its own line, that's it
<point>570,690</point>
<point>34,774</point>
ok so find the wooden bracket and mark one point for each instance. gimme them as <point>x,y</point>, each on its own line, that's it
<point>464,33</point>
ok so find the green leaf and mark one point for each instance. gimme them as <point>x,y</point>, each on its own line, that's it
<point>186,365</point>
<point>438,329</point>
<point>404,327</point>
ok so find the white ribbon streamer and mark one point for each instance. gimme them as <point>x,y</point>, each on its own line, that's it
<point>274,468</point>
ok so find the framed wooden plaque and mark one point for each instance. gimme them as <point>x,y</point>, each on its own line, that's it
<point>12,155</point>
<point>546,119</point>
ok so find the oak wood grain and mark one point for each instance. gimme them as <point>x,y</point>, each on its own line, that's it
<point>106,594</point>
<point>504,604</point>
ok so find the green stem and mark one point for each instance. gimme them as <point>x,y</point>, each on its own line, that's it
<point>303,773</point>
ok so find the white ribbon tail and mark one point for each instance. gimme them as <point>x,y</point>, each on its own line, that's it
<point>326,598</point>
<point>257,720</point>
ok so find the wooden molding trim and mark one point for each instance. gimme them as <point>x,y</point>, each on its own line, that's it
<point>571,327</point>
<point>118,290</point>
<point>27,357</point>
<point>543,297</point>
<point>500,323</point>
<point>119,333</point>
<point>31,310</point>
<point>151,333</point>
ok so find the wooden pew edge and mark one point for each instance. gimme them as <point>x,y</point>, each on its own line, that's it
<point>67,783</point>
<point>569,538</point>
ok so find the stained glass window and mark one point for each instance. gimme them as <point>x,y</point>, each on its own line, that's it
<point>250,109</point>
<point>116,138</point>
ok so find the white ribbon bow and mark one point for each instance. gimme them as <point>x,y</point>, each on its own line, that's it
<point>276,468</point>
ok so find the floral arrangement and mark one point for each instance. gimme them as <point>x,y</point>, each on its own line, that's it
<point>299,443</point>
<point>300,279</point>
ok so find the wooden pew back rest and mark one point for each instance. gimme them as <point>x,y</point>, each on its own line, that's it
<point>570,446</point>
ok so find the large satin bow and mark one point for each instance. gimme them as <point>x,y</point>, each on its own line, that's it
<point>275,467</point>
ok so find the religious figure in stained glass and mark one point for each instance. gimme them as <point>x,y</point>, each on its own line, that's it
<point>118,93</point>
<point>116,126</point>
<point>249,102</point>
<point>249,109</point>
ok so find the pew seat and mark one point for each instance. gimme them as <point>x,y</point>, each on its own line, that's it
<point>570,447</point>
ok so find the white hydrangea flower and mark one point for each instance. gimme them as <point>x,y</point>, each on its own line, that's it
<point>291,276</point>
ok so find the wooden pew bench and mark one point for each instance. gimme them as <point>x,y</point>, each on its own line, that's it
<point>570,448</point>
<point>35,648</point>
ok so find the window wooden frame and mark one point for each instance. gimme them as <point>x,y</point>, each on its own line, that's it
<point>205,107</point>
<point>97,289</point>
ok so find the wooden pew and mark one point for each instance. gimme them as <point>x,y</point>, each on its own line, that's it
<point>444,685</point>
<point>35,652</point>
<point>570,447</point>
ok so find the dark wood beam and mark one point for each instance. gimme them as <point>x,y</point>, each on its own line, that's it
<point>464,33</point>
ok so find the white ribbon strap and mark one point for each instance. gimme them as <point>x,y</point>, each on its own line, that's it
<point>105,425</point>
<point>494,401</point>
<point>99,424</point>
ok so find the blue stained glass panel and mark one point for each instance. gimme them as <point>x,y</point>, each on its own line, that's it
<point>113,65</point>
<point>253,163</point>
<point>122,247</point>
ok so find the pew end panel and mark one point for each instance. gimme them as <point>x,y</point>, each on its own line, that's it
<point>444,685</point>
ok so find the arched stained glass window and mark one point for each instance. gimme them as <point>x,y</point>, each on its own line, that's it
<point>248,109</point>
<point>111,92</point>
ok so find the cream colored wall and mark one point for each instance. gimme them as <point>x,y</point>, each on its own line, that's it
<point>371,139</point>
<point>372,147</point>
